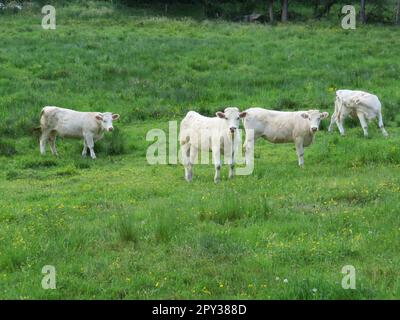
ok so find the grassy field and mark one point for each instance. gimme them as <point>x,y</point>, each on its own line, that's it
<point>120,228</point>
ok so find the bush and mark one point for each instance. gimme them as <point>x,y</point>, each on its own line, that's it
<point>229,209</point>
<point>38,164</point>
<point>112,144</point>
<point>166,226</point>
<point>128,231</point>
<point>229,9</point>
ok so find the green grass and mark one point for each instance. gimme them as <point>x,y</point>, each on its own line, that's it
<point>120,228</point>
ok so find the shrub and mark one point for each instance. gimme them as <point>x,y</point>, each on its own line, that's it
<point>127,230</point>
<point>112,144</point>
<point>35,164</point>
<point>165,227</point>
<point>230,209</point>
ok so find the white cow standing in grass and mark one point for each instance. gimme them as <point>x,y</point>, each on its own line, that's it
<point>217,134</point>
<point>281,127</point>
<point>363,104</point>
<point>73,124</point>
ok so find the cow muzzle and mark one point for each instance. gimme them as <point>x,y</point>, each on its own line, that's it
<point>232,129</point>
<point>110,129</point>
<point>314,129</point>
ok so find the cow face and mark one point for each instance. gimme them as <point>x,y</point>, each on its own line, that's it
<point>106,120</point>
<point>314,117</point>
<point>232,116</point>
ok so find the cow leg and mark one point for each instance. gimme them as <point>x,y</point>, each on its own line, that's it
<point>363,122</point>
<point>52,141</point>
<point>231,163</point>
<point>192,159</point>
<point>339,122</point>
<point>300,151</point>
<point>249,148</point>
<point>90,144</point>
<point>85,147</point>
<point>185,151</point>
<point>217,163</point>
<point>380,124</point>
<point>229,156</point>
<point>43,140</point>
<point>333,120</point>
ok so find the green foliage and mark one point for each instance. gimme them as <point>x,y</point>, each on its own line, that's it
<point>128,231</point>
<point>112,144</point>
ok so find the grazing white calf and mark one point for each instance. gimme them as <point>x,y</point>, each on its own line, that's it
<point>73,124</point>
<point>363,104</point>
<point>281,127</point>
<point>217,134</point>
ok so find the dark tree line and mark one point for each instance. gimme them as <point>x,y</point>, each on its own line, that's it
<point>323,7</point>
<point>284,10</point>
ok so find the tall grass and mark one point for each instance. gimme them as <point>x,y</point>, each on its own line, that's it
<point>184,65</point>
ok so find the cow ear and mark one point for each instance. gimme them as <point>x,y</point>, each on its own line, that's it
<point>99,117</point>
<point>220,115</point>
<point>243,114</point>
<point>305,115</point>
<point>115,116</point>
<point>324,115</point>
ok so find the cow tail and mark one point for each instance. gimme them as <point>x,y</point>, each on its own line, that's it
<point>39,129</point>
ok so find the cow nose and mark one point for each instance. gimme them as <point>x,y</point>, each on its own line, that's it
<point>232,129</point>
<point>314,129</point>
<point>110,129</point>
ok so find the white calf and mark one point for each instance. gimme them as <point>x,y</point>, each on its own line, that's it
<point>73,124</point>
<point>365,105</point>
<point>198,132</point>
<point>281,127</point>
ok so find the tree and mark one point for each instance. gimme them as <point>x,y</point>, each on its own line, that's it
<point>271,10</point>
<point>363,17</point>
<point>324,10</point>
<point>316,7</point>
<point>285,5</point>
<point>398,12</point>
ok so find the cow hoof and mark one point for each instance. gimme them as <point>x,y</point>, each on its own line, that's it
<point>189,177</point>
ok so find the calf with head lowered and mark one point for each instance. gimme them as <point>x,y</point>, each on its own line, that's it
<point>74,124</point>
<point>366,106</point>
<point>217,134</point>
<point>281,127</point>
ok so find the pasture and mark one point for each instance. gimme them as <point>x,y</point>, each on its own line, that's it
<point>120,228</point>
